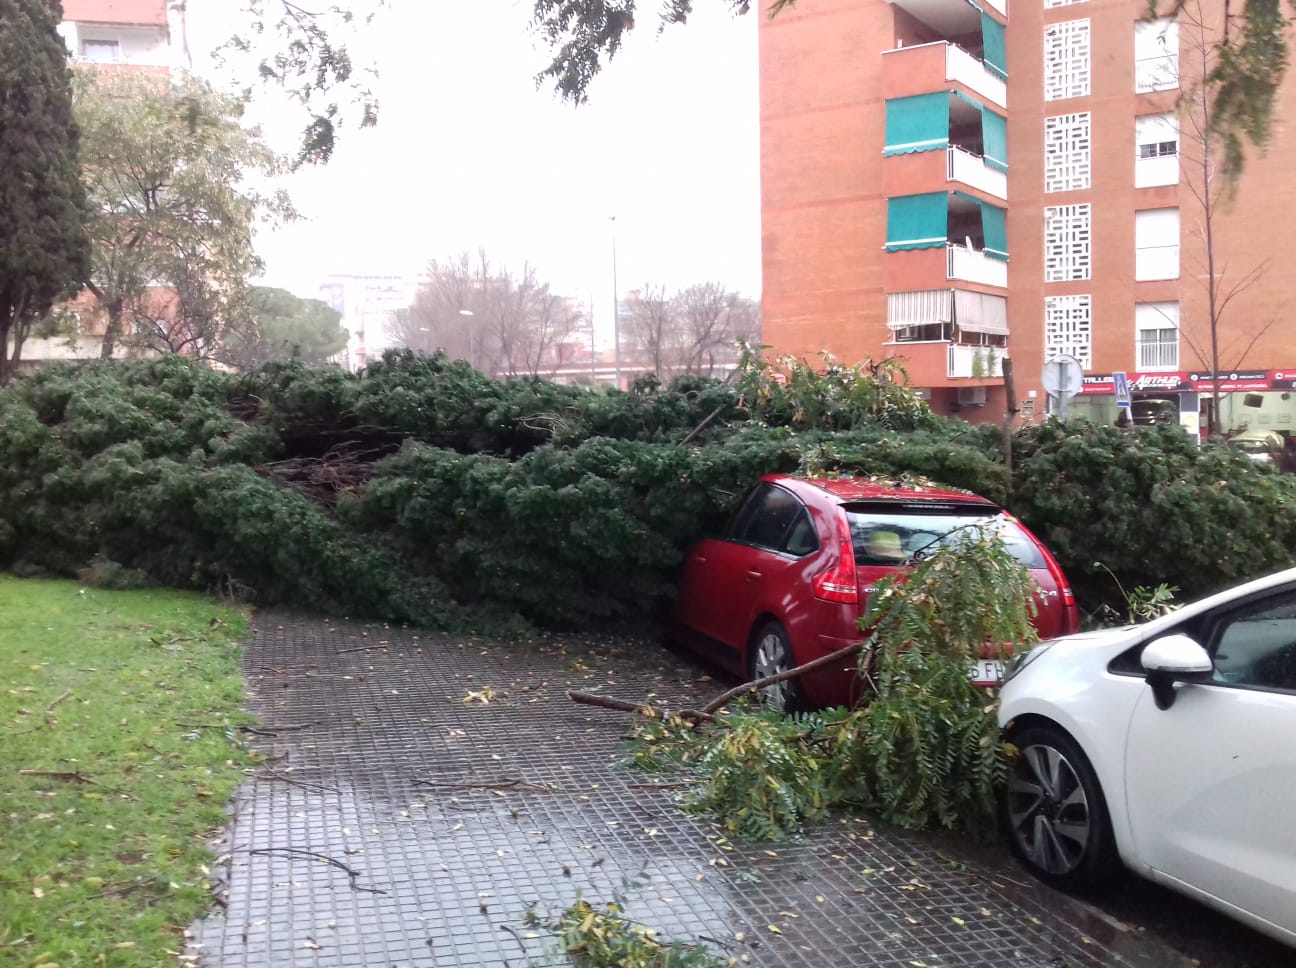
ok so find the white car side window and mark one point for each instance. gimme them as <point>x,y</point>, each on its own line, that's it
<point>1257,646</point>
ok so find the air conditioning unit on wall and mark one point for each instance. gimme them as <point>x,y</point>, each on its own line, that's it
<point>972,396</point>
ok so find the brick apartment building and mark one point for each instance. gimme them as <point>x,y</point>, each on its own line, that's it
<point>960,182</point>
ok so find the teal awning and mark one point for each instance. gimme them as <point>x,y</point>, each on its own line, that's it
<point>919,123</point>
<point>994,134</point>
<point>994,138</point>
<point>917,222</point>
<point>995,53</point>
<point>994,227</point>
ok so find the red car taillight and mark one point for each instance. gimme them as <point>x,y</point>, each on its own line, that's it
<point>1071,614</point>
<point>839,583</point>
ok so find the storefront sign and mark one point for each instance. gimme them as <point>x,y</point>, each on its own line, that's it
<point>1194,380</point>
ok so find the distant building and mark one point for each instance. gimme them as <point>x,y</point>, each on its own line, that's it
<point>146,35</point>
<point>366,303</point>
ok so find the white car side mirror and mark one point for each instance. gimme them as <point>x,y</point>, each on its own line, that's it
<point>1171,659</point>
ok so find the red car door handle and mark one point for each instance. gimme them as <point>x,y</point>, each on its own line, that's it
<point>753,574</point>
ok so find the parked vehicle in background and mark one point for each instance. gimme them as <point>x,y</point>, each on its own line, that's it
<point>1149,411</point>
<point>1263,447</point>
<point>786,581</point>
<point>1168,746</point>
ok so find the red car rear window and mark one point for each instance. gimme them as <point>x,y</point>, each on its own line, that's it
<point>889,535</point>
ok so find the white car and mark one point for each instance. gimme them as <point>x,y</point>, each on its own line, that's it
<point>1168,746</point>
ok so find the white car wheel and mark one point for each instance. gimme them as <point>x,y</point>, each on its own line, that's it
<point>1055,812</point>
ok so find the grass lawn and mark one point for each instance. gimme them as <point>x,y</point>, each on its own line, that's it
<point>106,800</point>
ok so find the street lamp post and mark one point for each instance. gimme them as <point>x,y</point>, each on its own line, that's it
<point>616,310</point>
<point>468,314</point>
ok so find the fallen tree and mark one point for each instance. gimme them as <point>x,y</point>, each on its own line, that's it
<point>922,747</point>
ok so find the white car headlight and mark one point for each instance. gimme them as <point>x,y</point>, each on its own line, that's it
<point>1020,660</point>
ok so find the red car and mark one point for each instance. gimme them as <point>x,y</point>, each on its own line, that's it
<point>789,577</point>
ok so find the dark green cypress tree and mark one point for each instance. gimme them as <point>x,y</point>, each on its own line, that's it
<point>44,252</point>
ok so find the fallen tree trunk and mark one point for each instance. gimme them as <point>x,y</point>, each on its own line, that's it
<point>607,702</point>
<point>707,713</point>
<point>832,657</point>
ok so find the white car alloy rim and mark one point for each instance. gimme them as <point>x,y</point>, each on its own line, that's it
<point>1048,810</point>
<point>771,659</point>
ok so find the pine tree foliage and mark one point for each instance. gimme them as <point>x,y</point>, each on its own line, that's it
<point>43,247</point>
<point>562,506</point>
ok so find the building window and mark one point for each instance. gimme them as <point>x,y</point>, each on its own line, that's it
<point>1156,244</point>
<point>1157,329</point>
<point>1067,252</point>
<point>1066,60</point>
<point>1050,4</point>
<point>926,333</point>
<point>1066,152</point>
<point>1156,54</point>
<point>101,51</point>
<point>1156,137</point>
<point>1068,328</point>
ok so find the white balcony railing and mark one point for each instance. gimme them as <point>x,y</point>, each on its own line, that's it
<point>1158,354</point>
<point>972,170</point>
<point>976,362</point>
<point>973,266</point>
<point>971,73</point>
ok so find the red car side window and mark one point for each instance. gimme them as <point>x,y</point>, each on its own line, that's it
<point>767,518</point>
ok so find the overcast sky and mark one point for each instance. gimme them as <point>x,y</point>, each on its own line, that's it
<point>469,153</point>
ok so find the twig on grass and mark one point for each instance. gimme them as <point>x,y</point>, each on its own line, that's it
<point>50,708</point>
<point>74,775</point>
<point>254,730</point>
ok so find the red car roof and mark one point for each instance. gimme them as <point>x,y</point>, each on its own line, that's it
<point>846,489</point>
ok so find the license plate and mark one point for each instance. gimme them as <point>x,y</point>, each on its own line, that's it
<point>986,672</point>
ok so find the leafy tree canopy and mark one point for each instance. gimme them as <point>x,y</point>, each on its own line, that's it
<point>170,171</point>
<point>280,326</point>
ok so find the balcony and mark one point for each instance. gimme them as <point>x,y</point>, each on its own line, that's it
<point>924,68</point>
<point>939,363</point>
<point>963,166</point>
<point>973,74</point>
<point>971,265</point>
<point>113,46</point>
<point>976,362</point>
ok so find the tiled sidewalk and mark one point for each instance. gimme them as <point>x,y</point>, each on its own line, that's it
<point>397,824</point>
